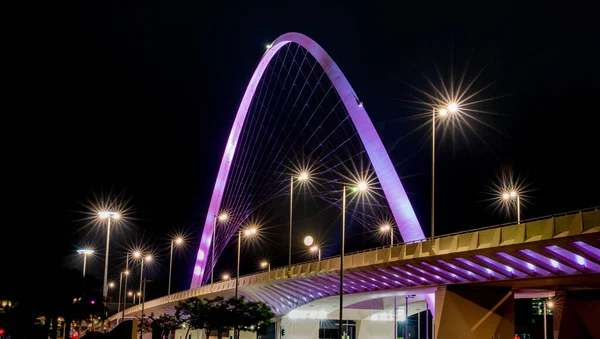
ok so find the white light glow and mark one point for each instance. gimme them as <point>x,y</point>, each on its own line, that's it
<point>303,176</point>
<point>250,231</point>
<point>308,240</point>
<point>453,107</point>
<point>362,186</point>
<point>385,228</point>
<point>107,214</point>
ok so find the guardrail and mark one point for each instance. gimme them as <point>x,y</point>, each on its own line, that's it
<point>596,208</point>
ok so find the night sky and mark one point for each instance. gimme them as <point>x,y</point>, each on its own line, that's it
<point>138,99</point>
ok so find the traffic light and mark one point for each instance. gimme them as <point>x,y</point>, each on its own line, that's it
<point>282,331</point>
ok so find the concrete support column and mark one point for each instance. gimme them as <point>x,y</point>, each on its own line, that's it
<point>575,314</point>
<point>470,312</point>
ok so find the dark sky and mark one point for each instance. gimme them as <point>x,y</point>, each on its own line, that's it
<point>138,99</point>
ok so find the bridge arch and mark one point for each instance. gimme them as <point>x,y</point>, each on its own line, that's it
<point>394,192</point>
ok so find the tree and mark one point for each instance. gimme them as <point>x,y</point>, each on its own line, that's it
<point>165,324</point>
<point>218,317</point>
<point>193,312</point>
<point>223,315</point>
<point>249,316</point>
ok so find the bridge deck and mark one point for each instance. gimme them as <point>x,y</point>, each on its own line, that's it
<point>562,245</point>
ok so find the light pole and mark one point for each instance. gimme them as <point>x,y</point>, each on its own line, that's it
<point>386,228</point>
<point>120,285</point>
<point>85,253</point>
<point>265,264</point>
<point>247,232</point>
<point>514,195</point>
<point>362,186</point>
<point>143,300</point>
<point>131,294</point>
<point>450,108</point>
<point>317,249</point>
<point>178,241</point>
<point>108,216</point>
<point>548,303</point>
<point>125,286</point>
<point>308,242</point>
<point>302,177</point>
<point>225,277</point>
<point>222,217</point>
<point>148,258</point>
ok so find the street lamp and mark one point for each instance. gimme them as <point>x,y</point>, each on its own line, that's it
<point>308,242</point>
<point>147,258</point>
<point>250,231</point>
<point>223,217</point>
<point>125,285</point>
<point>131,294</point>
<point>111,285</point>
<point>225,277</point>
<point>450,108</point>
<point>548,303</point>
<point>85,253</point>
<point>317,249</point>
<point>512,195</point>
<point>126,273</point>
<point>108,216</point>
<point>303,176</point>
<point>265,264</point>
<point>388,228</point>
<point>176,241</point>
<point>361,186</point>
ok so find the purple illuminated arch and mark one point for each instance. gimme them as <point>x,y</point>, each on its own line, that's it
<point>384,169</point>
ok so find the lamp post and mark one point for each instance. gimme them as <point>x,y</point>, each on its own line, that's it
<point>388,228</point>
<point>85,253</point>
<point>225,277</point>
<point>120,285</point>
<point>108,216</point>
<point>450,108</point>
<point>222,217</point>
<point>265,264</point>
<point>361,186</point>
<point>125,286</point>
<point>178,241</point>
<point>548,303</point>
<point>309,241</point>
<point>143,300</point>
<point>514,195</point>
<point>132,294</point>
<point>302,177</point>
<point>247,232</point>
<point>317,249</point>
<point>148,258</point>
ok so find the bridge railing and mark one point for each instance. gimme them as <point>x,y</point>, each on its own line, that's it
<point>596,208</point>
